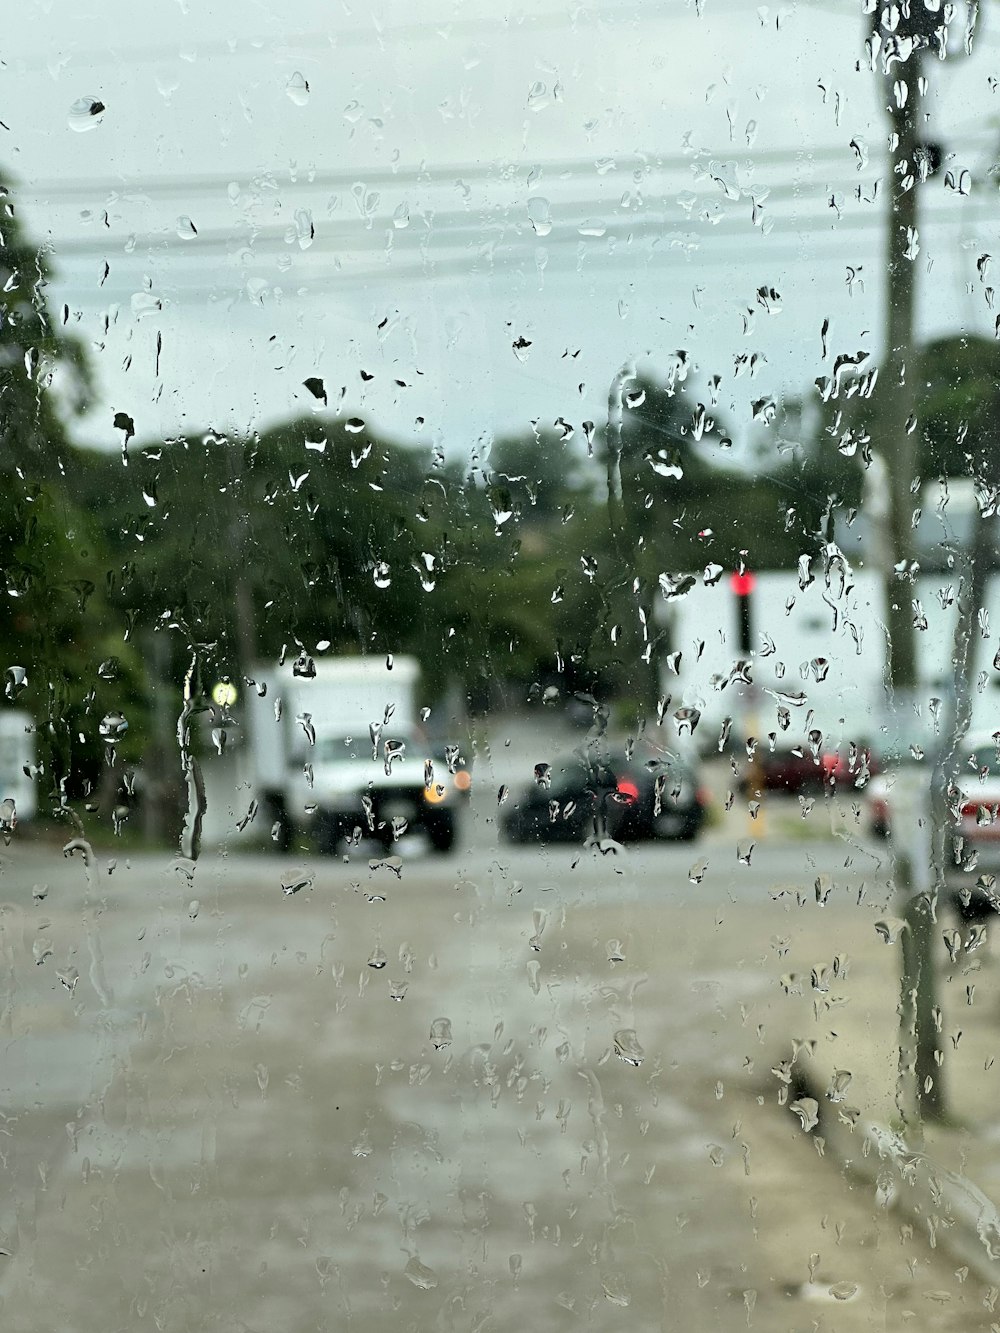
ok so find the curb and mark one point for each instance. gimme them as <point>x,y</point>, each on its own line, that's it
<point>952,1212</point>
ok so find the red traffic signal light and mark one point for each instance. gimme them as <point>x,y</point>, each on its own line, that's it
<point>743,584</point>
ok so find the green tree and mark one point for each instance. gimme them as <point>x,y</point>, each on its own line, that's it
<point>58,627</point>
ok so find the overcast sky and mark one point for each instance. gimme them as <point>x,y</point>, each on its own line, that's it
<point>283,191</point>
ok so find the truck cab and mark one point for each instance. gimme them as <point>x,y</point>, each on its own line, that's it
<point>340,751</point>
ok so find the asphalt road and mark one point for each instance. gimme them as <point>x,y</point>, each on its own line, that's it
<point>503,1088</point>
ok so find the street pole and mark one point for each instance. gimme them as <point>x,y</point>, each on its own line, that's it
<point>920,1092</point>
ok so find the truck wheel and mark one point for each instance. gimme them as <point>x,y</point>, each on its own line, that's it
<point>442,833</point>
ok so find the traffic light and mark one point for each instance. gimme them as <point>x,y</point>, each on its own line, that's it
<point>743,582</point>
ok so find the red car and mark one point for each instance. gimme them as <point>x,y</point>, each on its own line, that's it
<point>796,769</point>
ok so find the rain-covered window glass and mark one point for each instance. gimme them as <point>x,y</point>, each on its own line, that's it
<point>500,658</point>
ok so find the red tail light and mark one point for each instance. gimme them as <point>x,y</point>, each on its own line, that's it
<point>627,790</point>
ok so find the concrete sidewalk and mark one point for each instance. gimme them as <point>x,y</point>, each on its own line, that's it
<point>838,1069</point>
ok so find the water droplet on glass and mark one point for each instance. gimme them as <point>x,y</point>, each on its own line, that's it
<point>889,928</point>
<point>539,215</point>
<point>441,1033</point>
<point>393,750</point>
<point>543,775</point>
<point>305,229</point>
<point>844,1291</point>
<point>304,666</point>
<point>85,114</point>
<point>378,959</point>
<point>807,1109</point>
<point>8,819</point>
<point>69,976</point>
<point>616,1291</point>
<point>297,89</point>
<point>382,575</point>
<point>686,720</point>
<point>420,1275</point>
<point>113,727</point>
<point>15,680</point>
<point>295,882</point>
<point>194,907</point>
<point>627,1047</point>
<point>186,229</point>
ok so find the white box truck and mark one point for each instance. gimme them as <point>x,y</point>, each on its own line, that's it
<point>819,656</point>
<point>338,750</point>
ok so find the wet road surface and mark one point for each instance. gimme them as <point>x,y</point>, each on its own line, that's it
<point>476,1092</point>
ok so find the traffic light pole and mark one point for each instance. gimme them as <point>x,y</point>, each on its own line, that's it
<point>743,582</point>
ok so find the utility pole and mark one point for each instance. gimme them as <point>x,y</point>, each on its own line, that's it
<point>900,38</point>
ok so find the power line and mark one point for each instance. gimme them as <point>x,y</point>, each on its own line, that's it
<point>455,229</point>
<point>445,174</point>
<point>330,41</point>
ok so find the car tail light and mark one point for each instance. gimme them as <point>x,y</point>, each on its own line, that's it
<point>980,812</point>
<point>703,796</point>
<point>627,790</point>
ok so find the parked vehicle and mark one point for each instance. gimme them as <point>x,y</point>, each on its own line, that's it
<point>974,832</point>
<point>663,799</point>
<point>338,750</point>
<point>658,798</point>
<point>796,769</point>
